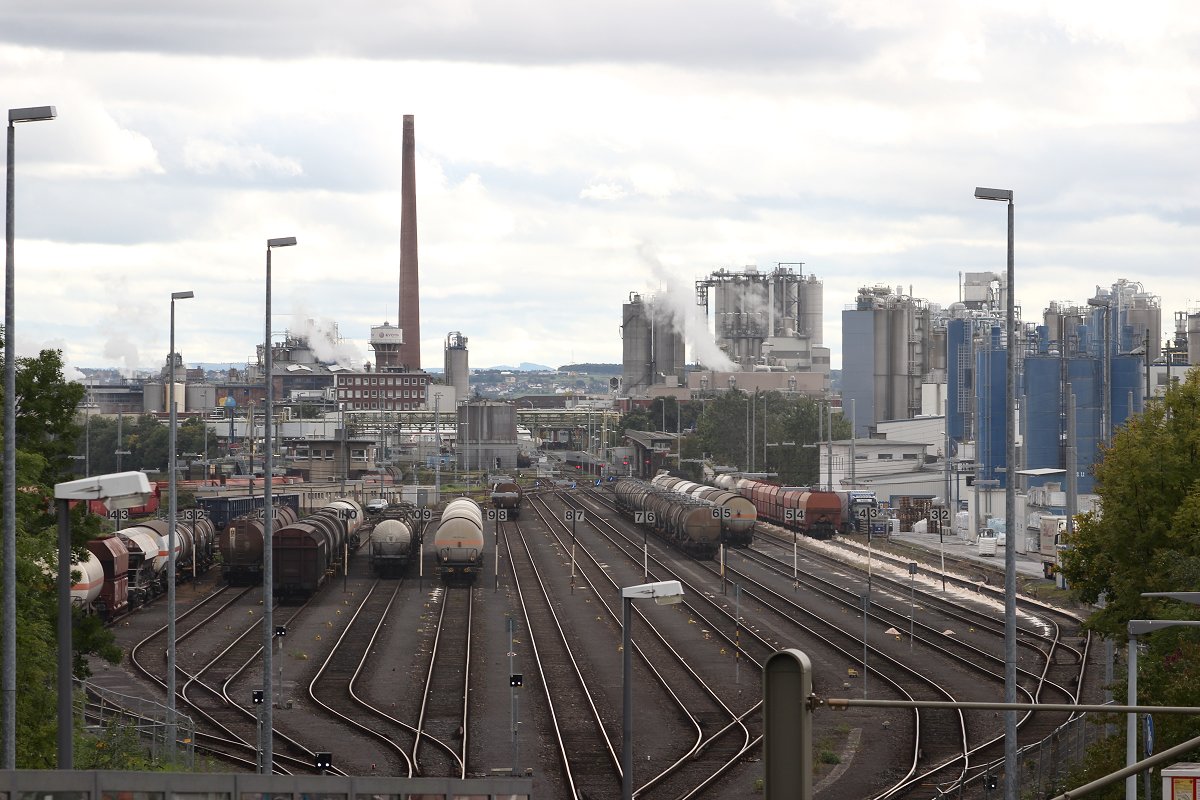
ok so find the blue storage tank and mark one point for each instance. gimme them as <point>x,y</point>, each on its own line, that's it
<point>1086,381</point>
<point>991,429</point>
<point>1127,375</point>
<point>960,377</point>
<point>1043,410</point>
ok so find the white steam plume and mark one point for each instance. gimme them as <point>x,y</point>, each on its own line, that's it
<point>678,298</point>
<point>120,346</point>
<point>326,344</point>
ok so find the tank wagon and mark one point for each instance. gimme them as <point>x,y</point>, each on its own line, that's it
<point>241,545</point>
<point>684,521</point>
<point>738,514</point>
<point>142,544</point>
<point>394,543</point>
<point>223,508</point>
<point>817,514</point>
<point>458,541</point>
<point>85,592</point>
<point>112,557</point>
<point>507,494</point>
<point>306,551</point>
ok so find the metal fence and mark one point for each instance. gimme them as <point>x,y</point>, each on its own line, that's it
<point>101,708</point>
<point>1044,766</point>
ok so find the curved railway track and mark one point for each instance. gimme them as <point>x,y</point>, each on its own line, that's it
<point>445,702</point>
<point>235,726</point>
<point>713,736</point>
<point>698,666</point>
<point>347,659</point>
<point>1044,651</point>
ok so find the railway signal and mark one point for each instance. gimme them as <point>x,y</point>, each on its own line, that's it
<point>573,515</point>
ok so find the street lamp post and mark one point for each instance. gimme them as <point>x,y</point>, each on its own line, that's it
<point>9,689</point>
<point>664,593</point>
<point>1138,627</point>
<point>117,491</point>
<point>265,732</point>
<point>172,426</point>
<point>1010,509</point>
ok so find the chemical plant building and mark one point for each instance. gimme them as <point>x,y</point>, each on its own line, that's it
<point>908,363</point>
<point>768,324</point>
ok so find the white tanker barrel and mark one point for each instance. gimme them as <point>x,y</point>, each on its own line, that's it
<point>350,512</point>
<point>85,591</point>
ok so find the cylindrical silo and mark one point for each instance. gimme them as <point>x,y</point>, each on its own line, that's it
<point>667,346</point>
<point>1043,414</point>
<point>1193,338</point>
<point>154,397</point>
<point>991,428</point>
<point>636,346</point>
<point>200,396</point>
<point>457,372</point>
<point>812,309</point>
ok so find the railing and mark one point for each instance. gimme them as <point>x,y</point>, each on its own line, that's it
<point>100,707</point>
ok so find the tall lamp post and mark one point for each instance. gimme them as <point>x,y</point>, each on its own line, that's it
<point>9,689</point>
<point>1010,509</point>
<point>172,402</point>
<point>1137,627</point>
<point>116,490</point>
<point>664,593</point>
<point>265,732</point>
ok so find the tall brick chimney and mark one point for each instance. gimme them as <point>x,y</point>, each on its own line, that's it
<point>410,285</point>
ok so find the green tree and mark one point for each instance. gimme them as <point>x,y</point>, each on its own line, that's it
<point>780,424</point>
<point>46,433</point>
<point>1143,539</point>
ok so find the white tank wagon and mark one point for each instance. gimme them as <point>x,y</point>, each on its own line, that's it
<point>349,511</point>
<point>458,541</point>
<point>86,591</point>
<point>392,545</point>
<point>738,514</point>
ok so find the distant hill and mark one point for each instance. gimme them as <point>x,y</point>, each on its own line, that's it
<point>524,367</point>
<point>593,369</point>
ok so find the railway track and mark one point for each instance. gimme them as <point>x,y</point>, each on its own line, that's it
<point>1045,653</point>
<point>585,750</point>
<point>346,661</point>
<point>232,728</point>
<point>445,703</point>
<point>713,736</point>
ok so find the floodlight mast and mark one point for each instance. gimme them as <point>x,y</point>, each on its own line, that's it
<point>1010,502</point>
<point>8,552</point>
<point>116,490</point>
<point>266,740</point>
<point>663,593</point>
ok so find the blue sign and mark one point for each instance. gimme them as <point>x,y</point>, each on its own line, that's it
<point>597,481</point>
<point>1148,725</point>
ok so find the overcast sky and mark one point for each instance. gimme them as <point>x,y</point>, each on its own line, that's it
<point>570,153</point>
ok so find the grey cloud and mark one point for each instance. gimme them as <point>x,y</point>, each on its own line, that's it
<point>689,32</point>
